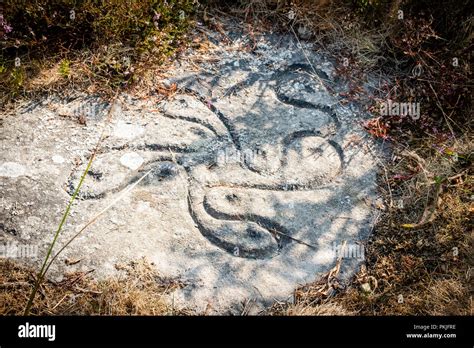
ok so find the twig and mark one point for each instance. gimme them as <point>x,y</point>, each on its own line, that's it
<point>87,291</point>
<point>57,304</point>
<point>446,117</point>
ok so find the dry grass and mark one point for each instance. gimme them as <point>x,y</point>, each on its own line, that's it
<point>325,309</point>
<point>332,24</point>
<point>138,290</point>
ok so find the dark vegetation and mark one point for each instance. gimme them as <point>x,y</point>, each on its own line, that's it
<point>102,44</point>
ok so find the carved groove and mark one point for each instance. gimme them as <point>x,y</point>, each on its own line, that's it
<point>211,222</point>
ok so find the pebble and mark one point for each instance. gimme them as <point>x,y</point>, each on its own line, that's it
<point>58,159</point>
<point>132,160</point>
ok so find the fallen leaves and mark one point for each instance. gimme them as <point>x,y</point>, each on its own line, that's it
<point>377,128</point>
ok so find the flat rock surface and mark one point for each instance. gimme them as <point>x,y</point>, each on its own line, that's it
<point>257,174</point>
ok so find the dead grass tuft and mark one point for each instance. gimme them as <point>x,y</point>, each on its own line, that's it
<point>325,309</point>
<point>138,290</point>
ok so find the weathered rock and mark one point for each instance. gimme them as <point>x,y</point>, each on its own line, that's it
<point>254,184</point>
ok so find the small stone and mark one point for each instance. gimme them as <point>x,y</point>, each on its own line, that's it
<point>12,169</point>
<point>58,159</point>
<point>366,288</point>
<point>131,160</point>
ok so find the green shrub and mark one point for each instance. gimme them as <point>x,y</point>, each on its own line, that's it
<point>114,33</point>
